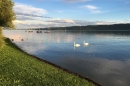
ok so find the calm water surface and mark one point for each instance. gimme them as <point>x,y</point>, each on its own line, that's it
<point>105,60</point>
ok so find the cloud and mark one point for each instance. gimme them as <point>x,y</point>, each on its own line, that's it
<point>61,21</point>
<point>18,22</point>
<point>31,15</point>
<point>73,1</point>
<point>19,17</point>
<point>28,12</point>
<point>46,0</point>
<point>59,11</point>
<point>40,0</point>
<point>24,8</point>
<point>25,14</point>
<point>92,8</point>
<point>56,23</point>
<point>104,23</point>
<point>68,1</point>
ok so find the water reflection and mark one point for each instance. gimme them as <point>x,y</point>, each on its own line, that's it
<point>106,59</point>
<point>105,71</point>
<point>32,47</point>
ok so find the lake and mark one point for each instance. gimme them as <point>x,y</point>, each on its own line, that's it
<point>105,60</point>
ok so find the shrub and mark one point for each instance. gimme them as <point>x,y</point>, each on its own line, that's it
<point>2,42</point>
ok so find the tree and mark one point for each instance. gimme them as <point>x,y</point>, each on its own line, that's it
<point>7,16</point>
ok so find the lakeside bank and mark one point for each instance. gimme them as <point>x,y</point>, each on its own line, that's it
<point>19,68</point>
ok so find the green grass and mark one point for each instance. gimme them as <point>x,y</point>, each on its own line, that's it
<point>20,69</point>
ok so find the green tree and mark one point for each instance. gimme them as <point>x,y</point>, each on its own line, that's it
<point>7,16</point>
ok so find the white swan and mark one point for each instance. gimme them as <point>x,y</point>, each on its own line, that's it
<point>76,45</point>
<point>85,43</point>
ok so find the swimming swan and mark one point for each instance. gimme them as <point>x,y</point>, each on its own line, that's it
<point>85,43</point>
<point>76,45</point>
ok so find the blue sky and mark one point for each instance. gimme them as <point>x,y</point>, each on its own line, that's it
<point>55,13</point>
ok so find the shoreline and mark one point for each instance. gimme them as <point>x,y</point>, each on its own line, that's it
<point>42,60</point>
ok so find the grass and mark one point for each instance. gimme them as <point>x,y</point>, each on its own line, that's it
<point>20,69</point>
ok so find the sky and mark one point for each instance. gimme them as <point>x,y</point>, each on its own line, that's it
<point>62,13</point>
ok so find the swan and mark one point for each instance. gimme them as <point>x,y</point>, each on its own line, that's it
<point>85,43</point>
<point>76,45</point>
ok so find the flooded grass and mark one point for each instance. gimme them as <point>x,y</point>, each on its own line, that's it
<point>18,68</point>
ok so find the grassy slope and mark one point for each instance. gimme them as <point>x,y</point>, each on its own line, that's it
<point>17,68</point>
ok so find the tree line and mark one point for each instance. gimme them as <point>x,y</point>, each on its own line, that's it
<point>113,27</point>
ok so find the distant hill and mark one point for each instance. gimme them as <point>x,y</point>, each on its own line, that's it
<point>92,27</point>
<point>96,27</point>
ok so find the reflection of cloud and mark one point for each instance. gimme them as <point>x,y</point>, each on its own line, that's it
<point>31,48</point>
<point>104,71</point>
<point>12,35</point>
<point>68,38</point>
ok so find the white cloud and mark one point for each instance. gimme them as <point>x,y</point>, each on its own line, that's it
<point>92,8</point>
<point>28,9</point>
<point>61,20</point>
<point>96,11</point>
<point>56,23</point>
<point>28,12</point>
<point>73,1</point>
<point>104,23</point>
<point>59,11</point>
<point>69,1</point>
<point>29,16</point>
